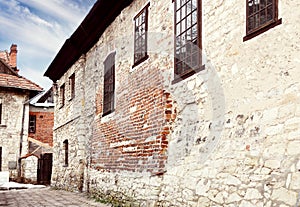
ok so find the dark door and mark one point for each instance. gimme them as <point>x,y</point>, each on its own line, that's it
<point>44,169</point>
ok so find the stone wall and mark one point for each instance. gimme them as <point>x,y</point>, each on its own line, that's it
<point>70,125</point>
<point>231,131</point>
<point>11,127</point>
<point>29,168</point>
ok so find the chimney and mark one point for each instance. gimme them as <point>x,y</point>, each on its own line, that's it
<point>13,57</point>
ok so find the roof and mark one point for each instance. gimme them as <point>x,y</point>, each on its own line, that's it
<point>10,79</point>
<point>85,36</point>
<point>44,99</point>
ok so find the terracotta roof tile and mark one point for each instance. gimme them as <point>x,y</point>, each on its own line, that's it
<point>12,81</point>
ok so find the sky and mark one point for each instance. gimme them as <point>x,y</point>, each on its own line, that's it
<point>39,28</point>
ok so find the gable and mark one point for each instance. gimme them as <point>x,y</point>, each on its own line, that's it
<point>5,69</point>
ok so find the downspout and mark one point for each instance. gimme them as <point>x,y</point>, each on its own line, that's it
<point>21,140</point>
<point>22,133</point>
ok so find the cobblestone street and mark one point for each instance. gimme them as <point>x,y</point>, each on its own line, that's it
<point>45,197</point>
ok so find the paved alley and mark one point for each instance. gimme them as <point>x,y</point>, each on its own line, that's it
<point>46,197</point>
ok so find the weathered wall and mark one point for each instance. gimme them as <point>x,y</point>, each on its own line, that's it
<point>44,124</point>
<point>11,126</point>
<point>69,124</point>
<point>29,168</point>
<point>235,140</point>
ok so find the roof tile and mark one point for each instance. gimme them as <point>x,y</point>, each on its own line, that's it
<point>12,81</point>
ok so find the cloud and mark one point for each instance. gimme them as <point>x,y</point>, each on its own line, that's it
<point>39,28</point>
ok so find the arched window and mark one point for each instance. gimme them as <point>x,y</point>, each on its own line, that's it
<point>66,151</point>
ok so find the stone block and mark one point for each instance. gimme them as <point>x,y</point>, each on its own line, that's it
<point>272,164</point>
<point>234,197</point>
<point>293,148</point>
<point>295,181</point>
<point>232,180</point>
<point>270,115</point>
<point>284,195</point>
<point>4,177</point>
<point>273,130</point>
<point>252,193</point>
<point>202,187</point>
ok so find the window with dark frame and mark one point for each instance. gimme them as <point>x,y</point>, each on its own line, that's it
<point>188,40</point>
<point>62,95</point>
<point>66,151</point>
<point>140,36</point>
<point>32,123</point>
<point>109,84</point>
<point>261,15</point>
<point>72,85</point>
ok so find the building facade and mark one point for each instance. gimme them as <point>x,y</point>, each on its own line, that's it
<point>180,103</point>
<point>37,163</point>
<point>15,94</point>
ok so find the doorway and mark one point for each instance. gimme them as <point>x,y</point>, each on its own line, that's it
<point>44,170</point>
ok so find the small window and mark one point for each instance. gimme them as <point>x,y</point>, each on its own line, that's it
<point>32,123</point>
<point>261,16</point>
<point>140,36</point>
<point>109,84</point>
<point>62,95</point>
<point>0,113</point>
<point>72,86</point>
<point>66,152</point>
<point>188,39</point>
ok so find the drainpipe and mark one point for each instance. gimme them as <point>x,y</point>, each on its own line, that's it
<point>21,140</point>
<point>22,132</point>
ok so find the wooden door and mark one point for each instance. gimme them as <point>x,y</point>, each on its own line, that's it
<point>44,170</point>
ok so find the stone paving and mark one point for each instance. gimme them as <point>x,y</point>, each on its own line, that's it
<point>46,197</point>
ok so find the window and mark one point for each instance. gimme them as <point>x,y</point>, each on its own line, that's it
<point>72,86</point>
<point>109,84</point>
<point>62,95</point>
<point>32,123</point>
<point>188,40</point>
<point>66,151</point>
<point>261,16</point>
<point>140,36</point>
<point>0,113</point>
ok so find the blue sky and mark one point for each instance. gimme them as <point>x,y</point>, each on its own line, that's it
<point>39,28</point>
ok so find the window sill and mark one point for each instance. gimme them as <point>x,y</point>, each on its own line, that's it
<point>65,165</point>
<point>108,113</point>
<point>262,30</point>
<point>3,126</point>
<point>140,61</point>
<point>186,75</point>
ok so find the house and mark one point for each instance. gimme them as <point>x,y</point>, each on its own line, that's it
<point>37,163</point>
<point>15,95</point>
<point>180,103</point>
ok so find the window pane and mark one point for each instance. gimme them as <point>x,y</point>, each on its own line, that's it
<point>262,17</point>
<point>187,37</point>
<point>269,13</point>
<point>260,12</point>
<point>140,44</point>
<point>262,4</point>
<point>109,84</point>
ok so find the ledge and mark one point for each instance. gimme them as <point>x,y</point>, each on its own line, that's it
<point>262,30</point>
<point>140,61</point>
<point>188,74</point>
